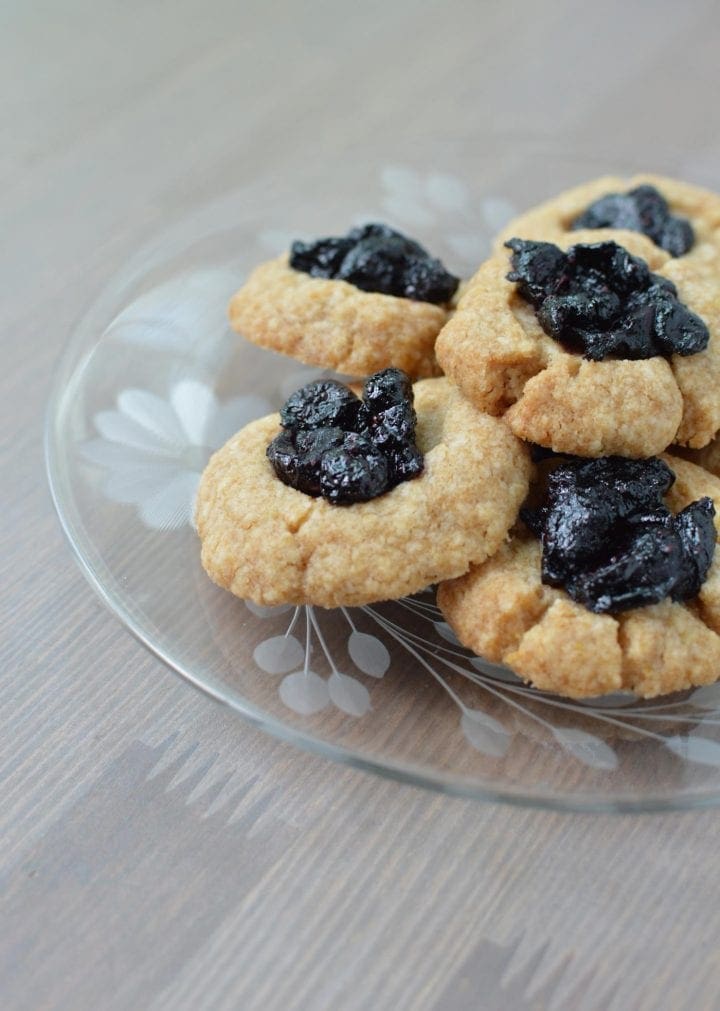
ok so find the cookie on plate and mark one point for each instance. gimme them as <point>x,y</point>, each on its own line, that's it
<point>680,219</point>
<point>354,304</point>
<point>620,591</point>
<point>270,542</point>
<point>589,347</point>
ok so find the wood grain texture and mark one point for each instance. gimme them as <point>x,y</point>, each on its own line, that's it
<point>156,851</point>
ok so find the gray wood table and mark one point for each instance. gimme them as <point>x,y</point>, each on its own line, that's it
<point>157,852</point>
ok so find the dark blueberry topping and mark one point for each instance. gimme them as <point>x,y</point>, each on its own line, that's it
<point>601,300</point>
<point>335,445</point>
<point>645,210</point>
<point>387,388</point>
<point>609,539</point>
<point>321,404</point>
<point>404,463</point>
<point>297,455</point>
<point>377,258</point>
<point>354,472</point>
<point>322,258</point>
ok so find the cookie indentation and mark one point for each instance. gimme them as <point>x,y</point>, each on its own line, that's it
<point>600,299</point>
<point>374,257</point>
<point>335,445</point>
<point>611,542</point>
<point>643,209</point>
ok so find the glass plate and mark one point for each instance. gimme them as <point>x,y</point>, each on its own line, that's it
<point>153,380</point>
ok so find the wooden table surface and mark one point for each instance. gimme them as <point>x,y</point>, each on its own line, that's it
<point>157,852</point>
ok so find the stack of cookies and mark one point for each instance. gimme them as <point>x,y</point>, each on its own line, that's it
<point>539,441</point>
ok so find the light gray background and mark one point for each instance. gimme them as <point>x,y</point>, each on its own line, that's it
<point>156,851</point>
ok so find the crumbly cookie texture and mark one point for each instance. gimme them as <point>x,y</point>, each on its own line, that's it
<point>707,457</point>
<point>552,220</point>
<point>334,325</point>
<point>267,542</point>
<point>503,612</point>
<point>494,348</point>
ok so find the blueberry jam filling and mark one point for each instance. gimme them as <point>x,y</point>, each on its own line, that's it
<point>375,257</point>
<point>645,210</point>
<point>611,542</point>
<point>601,300</point>
<point>335,445</point>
